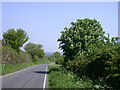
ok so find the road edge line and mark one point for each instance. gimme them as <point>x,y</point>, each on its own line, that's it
<point>45,78</point>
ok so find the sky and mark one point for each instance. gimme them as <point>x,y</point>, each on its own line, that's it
<point>43,21</point>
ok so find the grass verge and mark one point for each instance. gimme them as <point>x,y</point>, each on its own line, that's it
<point>59,78</point>
<point>9,68</point>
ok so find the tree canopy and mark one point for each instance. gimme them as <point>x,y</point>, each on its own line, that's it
<point>56,54</point>
<point>34,50</point>
<point>89,52</point>
<point>81,37</point>
<point>16,38</point>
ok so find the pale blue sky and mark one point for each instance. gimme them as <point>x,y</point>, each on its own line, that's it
<point>43,22</point>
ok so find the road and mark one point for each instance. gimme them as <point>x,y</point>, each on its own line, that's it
<point>33,77</point>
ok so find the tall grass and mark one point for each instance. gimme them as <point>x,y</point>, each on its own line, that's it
<point>59,78</point>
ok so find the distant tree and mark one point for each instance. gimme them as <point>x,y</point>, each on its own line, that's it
<point>34,50</point>
<point>51,58</point>
<point>15,38</point>
<point>58,58</point>
<point>56,54</point>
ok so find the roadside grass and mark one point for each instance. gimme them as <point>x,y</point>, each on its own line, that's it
<point>59,78</point>
<point>9,68</point>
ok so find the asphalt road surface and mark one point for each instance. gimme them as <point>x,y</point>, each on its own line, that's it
<point>33,77</point>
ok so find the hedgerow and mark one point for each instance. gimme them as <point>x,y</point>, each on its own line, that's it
<point>89,52</point>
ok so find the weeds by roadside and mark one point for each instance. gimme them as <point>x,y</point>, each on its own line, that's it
<point>59,78</point>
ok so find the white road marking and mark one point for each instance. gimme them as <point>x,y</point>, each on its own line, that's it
<point>45,79</point>
<point>15,72</point>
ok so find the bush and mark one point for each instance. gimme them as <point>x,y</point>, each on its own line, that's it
<point>10,56</point>
<point>59,61</point>
<point>104,63</point>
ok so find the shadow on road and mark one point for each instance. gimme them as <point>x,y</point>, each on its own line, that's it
<point>41,72</point>
<point>47,72</point>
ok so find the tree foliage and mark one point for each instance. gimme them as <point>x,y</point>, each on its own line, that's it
<point>56,54</point>
<point>34,50</point>
<point>88,51</point>
<point>57,57</point>
<point>81,37</point>
<point>15,38</point>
